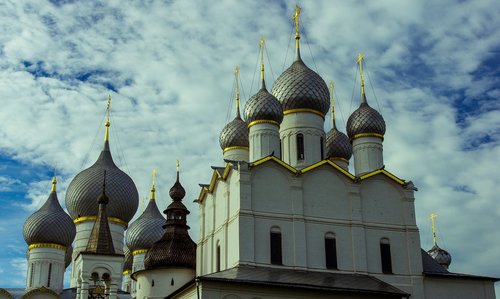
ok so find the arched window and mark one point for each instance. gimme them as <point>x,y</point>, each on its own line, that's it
<point>385,256</point>
<point>330,251</point>
<point>217,257</point>
<point>322,148</point>
<point>48,276</point>
<point>300,147</point>
<point>276,251</point>
<point>153,283</point>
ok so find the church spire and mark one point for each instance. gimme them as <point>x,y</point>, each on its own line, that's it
<point>236,73</point>
<point>107,124</point>
<point>331,85</point>
<point>54,183</point>
<point>297,33</point>
<point>153,190</point>
<point>262,42</point>
<point>359,61</point>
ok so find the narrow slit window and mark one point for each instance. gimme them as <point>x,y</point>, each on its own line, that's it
<point>385,256</point>
<point>217,258</point>
<point>50,274</point>
<point>322,148</point>
<point>276,250</point>
<point>331,251</point>
<point>300,147</point>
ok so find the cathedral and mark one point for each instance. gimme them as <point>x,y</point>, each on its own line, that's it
<point>282,217</point>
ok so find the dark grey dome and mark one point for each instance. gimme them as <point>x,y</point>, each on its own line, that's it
<point>338,145</point>
<point>365,120</point>
<point>86,187</point>
<point>234,133</point>
<point>129,259</point>
<point>440,255</point>
<point>68,256</point>
<point>299,87</point>
<point>147,229</point>
<point>263,106</point>
<point>50,224</point>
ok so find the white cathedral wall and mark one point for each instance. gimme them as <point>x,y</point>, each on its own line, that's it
<point>458,288</point>
<point>264,139</point>
<point>160,283</point>
<point>40,260</point>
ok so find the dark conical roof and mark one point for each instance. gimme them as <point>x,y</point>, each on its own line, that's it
<point>338,145</point>
<point>365,120</point>
<point>234,133</point>
<point>175,248</point>
<point>86,187</point>
<point>299,87</point>
<point>263,106</point>
<point>50,224</point>
<point>147,229</point>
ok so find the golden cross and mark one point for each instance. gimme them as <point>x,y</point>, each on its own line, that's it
<point>333,100</point>
<point>296,18</point>
<point>360,62</point>
<point>177,165</point>
<point>54,182</point>
<point>262,43</point>
<point>153,189</point>
<point>433,219</point>
<point>236,72</point>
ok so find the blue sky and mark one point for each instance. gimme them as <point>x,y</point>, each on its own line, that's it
<point>433,65</point>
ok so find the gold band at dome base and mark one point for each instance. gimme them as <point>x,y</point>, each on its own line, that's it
<point>93,218</point>
<point>304,110</point>
<point>127,272</point>
<point>367,135</point>
<point>256,122</point>
<point>235,147</point>
<point>339,159</point>
<point>139,251</point>
<point>47,245</point>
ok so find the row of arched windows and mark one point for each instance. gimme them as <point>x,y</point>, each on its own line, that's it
<point>276,251</point>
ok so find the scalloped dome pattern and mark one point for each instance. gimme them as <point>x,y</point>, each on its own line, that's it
<point>86,187</point>
<point>234,133</point>
<point>263,106</point>
<point>365,120</point>
<point>147,229</point>
<point>50,224</point>
<point>338,145</point>
<point>300,87</point>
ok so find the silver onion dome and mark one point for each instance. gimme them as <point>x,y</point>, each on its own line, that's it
<point>263,106</point>
<point>234,133</point>
<point>50,224</point>
<point>299,87</point>
<point>440,255</point>
<point>87,186</point>
<point>129,259</point>
<point>365,120</point>
<point>338,145</point>
<point>147,229</point>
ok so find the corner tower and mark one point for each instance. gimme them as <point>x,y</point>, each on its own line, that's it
<point>366,129</point>
<point>304,97</point>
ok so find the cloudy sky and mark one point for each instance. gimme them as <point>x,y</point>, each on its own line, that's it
<point>432,69</point>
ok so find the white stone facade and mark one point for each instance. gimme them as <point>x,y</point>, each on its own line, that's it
<point>46,268</point>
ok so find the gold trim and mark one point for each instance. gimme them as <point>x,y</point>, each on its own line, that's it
<point>367,135</point>
<point>341,159</point>
<point>47,245</point>
<point>235,147</point>
<point>273,158</point>
<point>256,122</point>
<point>318,164</point>
<point>139,251</point>
<point>126,272</point>
<point>304,110</point>
<point>384,172</point>
<point>93,218</point>
<point>40,290</point>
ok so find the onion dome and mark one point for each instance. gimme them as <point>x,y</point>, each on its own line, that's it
<point>50,224</point>
<point>365,120</point>
<point>86,187</point>
<point>147,229</point>
<point>68,257</point>
<point>175,248</point>
<point>235,133</point>
<point>440,255</point>
<point>129,259</point>
<point>338,145</point>
<point>299,87</point>
<point>263,106</point>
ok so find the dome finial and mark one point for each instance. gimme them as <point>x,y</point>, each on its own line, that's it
<point>297,34</point>
<point>54,183</point>
<point>108,123</point>
<point>177,165</point>
<point>236,72</point>
<point>359,61</point>
<point>153,189</point>
<point>331,85</point>
<point>433,224</point>
<point>262,42</point>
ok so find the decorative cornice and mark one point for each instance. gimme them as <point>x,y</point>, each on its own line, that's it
<point>367,135</point>
<point>235,147</point>
<point>139,251</point>
<point>47,245</point>
<point>93,218</point>
<point>274,159</point>
<point>332,164</point>
<point>339,159</point>
<point>384,172</point>
<point>263,121</point>
<point>307,110</point>
<point>42,290</point>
